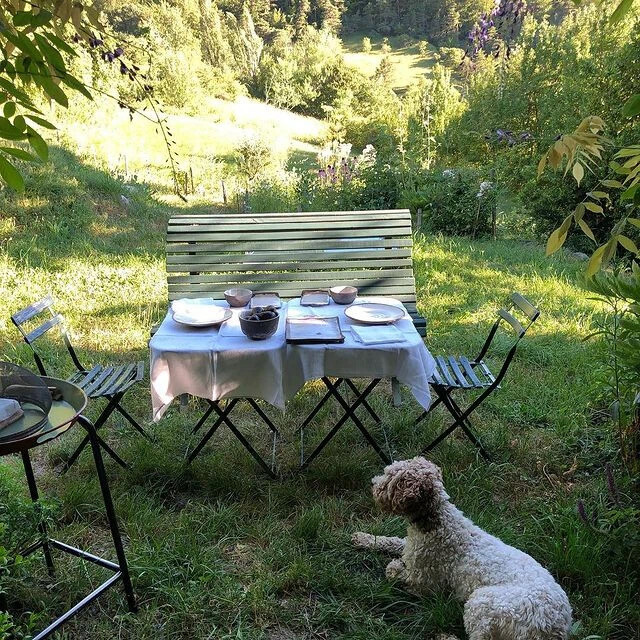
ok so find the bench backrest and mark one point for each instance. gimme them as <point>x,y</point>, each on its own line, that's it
<point>289,252</point>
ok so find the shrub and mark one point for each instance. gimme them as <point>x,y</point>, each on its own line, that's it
<point>423,48</point>
<point>456,202</point>
<point>452,56</point>
<point>366,45</point>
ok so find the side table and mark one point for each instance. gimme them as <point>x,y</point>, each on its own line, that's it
<point>69,401</point>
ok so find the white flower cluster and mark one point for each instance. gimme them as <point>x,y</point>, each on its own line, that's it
<point>448,173</point>
<point>484,187</point>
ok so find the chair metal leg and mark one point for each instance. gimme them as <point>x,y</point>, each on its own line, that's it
<point>424,414</point>
<point>102,418</point>
<point>42,526</point>
<point>127,416</point>
<point>111,513</point>
<point>460,421</point>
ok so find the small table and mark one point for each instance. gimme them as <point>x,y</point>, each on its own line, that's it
<point>222,363</point>
<point>64,413</point>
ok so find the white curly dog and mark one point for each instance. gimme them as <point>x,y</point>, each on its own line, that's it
<point>507,594</point>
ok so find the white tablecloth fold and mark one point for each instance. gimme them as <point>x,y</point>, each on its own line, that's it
<point>223,363</point>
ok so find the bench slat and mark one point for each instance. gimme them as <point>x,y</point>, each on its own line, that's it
<point>297,256</point>
<point>299,234</point>
<point>285,266</point>
<point>237,248</point>
<point>396,214</point>
<point>380,227</point>
<point>387,275</point>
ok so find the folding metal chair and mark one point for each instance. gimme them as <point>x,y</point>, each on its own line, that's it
<point>453,373</point>
<point>349,413</point>
<point>110,382</point>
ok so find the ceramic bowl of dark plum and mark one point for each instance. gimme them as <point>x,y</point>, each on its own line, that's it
<point>259,323</point>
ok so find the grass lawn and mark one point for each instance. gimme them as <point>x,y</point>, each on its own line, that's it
<point>408,64</point>
<point>216,549</point>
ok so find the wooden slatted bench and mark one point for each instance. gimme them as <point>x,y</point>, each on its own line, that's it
<point>289,252</point>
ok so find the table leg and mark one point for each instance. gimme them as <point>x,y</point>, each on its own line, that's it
<point>349,414</point>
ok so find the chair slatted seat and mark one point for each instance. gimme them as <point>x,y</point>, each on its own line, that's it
<point>108,382</point>
<point>289,252</point>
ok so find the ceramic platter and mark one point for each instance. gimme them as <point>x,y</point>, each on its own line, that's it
<point>210,318</point>
<point>374,313</point>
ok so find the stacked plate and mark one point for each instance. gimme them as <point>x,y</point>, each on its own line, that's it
<point>199,312</point>
<point>374,313</point>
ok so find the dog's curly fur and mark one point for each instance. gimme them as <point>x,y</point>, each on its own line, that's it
<point>507,594</point>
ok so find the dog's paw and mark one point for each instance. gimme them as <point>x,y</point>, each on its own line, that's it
<point>363,540</point>
<point>395,569</point>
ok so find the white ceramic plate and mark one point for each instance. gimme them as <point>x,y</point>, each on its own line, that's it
<point>210,317</point>
<point>374,313</point>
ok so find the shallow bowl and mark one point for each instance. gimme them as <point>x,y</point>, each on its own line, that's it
<point>238,297</point>
<point>343,295</point>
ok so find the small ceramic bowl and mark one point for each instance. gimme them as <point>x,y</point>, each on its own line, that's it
<point>343,295</point>
<point>238,297</point>
<point>259,329</point>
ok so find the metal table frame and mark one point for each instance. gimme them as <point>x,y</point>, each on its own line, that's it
<point>223,418</point>
<point>349,413</point>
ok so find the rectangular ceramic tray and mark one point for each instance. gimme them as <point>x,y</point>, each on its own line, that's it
<point>266,298</point>
<point>314,298</point>
<point>314,330</point>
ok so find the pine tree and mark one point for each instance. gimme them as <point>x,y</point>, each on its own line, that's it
<point>301,18</point>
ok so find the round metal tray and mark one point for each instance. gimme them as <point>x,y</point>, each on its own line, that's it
<point>25,433</point>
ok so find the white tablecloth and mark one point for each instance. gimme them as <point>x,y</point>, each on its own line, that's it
<point>215,364</point>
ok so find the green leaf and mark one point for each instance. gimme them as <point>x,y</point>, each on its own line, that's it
<point>19,153</point>
<point>592,206</point>
<point>11,175</point>
<point>599,194</point>
<point>632,106</point>
<point>51,54</point>
<point>578,172</point>
<point>558,237</point>
<point>41,121</point>
<point>22,18</point>
<point>628,244</point>
<point>593,266</point>
<point>630,193</point>
<point>50,87</point>
<point>38,144</point>
<point>586,229</point>
<point>634,221</point>
<point>621,11</point>
<point>9,109</point>
<point>542,164</point>
<point>613,183</point>
<point>60,43</point>
<point>9,132</point>
<point>628,151</point>
<point>74,83</point>
<point>41,18</point>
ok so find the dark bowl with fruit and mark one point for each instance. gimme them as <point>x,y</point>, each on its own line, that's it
<point>259,323</point>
